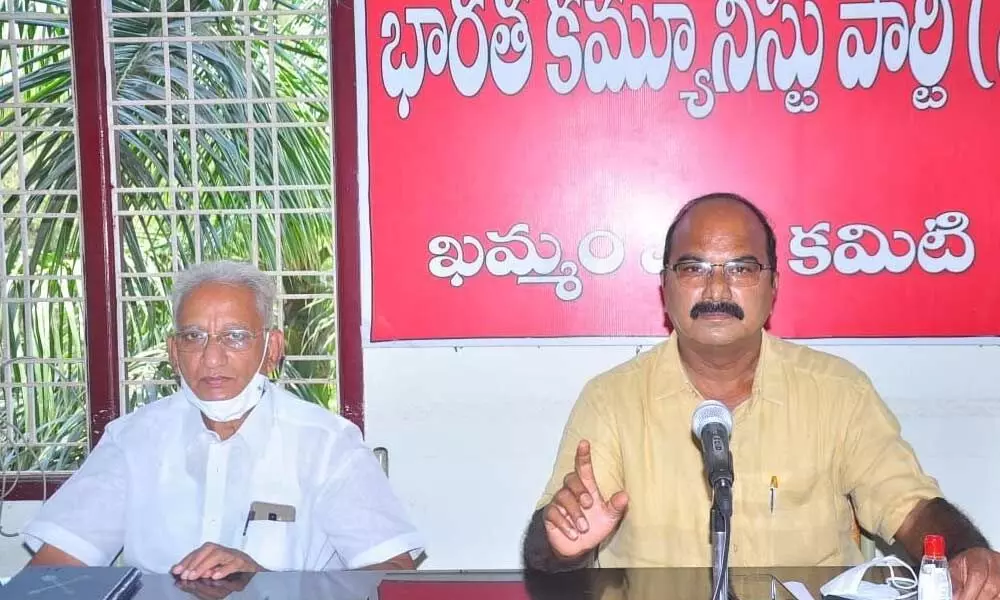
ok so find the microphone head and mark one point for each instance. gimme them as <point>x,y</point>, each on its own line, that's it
<point>711,411</point>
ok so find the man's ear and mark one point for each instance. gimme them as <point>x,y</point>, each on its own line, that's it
<point>172,357</point>
<point>275,359</point>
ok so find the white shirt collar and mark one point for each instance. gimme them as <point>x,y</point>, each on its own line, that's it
<point>254,432</point>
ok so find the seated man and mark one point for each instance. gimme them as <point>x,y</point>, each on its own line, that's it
<point>230,473</point>
<point>628,488</point>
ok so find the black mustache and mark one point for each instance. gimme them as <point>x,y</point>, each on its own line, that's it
<point>728,308</point>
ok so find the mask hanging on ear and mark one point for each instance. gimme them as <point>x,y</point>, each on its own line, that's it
<point>222,411</point>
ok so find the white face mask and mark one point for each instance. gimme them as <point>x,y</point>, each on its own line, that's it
<point>850,584</point>
<point>221,411</point>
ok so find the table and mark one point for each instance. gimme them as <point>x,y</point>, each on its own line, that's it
<point>592,584</point>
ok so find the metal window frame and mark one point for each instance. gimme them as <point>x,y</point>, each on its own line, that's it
<point>94,131</point>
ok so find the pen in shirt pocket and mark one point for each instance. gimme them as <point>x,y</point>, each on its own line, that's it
<point>773,491</point>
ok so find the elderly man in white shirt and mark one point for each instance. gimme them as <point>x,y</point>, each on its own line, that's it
<point>230,474</point>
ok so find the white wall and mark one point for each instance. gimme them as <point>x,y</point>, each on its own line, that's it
<point>12,554</point>
<point>472,433</point>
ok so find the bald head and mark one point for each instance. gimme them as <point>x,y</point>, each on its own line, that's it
<point>728,212</point>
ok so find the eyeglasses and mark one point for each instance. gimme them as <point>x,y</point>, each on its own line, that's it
<point>196,340</point>
<point>739,273</point>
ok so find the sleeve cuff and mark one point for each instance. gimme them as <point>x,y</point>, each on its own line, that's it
<point>894,520</point>
<point>410,542</point>
<point>44,532</point>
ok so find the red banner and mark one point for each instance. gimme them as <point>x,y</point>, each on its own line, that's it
<point>452,590</point>
<point>523,160</point>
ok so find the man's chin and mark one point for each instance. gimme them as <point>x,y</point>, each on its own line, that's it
<point>717,332</point>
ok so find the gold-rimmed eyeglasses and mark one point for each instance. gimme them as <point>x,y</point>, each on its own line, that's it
<point>196,340</point>
<point>739,273</point>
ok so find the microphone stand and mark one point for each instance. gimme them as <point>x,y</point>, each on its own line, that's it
<point>719,517</point>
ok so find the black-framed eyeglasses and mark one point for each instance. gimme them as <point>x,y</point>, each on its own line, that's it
<point>739,273</point>
<point>196,340</point>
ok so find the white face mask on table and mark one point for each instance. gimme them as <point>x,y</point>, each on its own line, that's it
<point>850,584</point>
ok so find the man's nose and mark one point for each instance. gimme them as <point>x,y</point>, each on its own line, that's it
<point>717,286</point>
<point>214,353</point>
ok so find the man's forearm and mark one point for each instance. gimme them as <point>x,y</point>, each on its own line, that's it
<point>403,562</point>
<point>538,554</point>
<point>50,556</point>
<point>938,516</point>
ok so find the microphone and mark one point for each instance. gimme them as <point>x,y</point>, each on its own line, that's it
<point>712,424</point>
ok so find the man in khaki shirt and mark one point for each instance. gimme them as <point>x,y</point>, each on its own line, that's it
<point>628,488</point>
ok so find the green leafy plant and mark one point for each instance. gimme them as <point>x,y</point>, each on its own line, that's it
<point>180,199</point>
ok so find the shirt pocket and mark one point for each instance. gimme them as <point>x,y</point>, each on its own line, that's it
<point>272,544</point>
<point>795,514</point>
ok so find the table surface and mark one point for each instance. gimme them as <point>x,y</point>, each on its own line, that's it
<point>591,584</point>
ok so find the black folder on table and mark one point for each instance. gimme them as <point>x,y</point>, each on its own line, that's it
<point>60,583</point>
